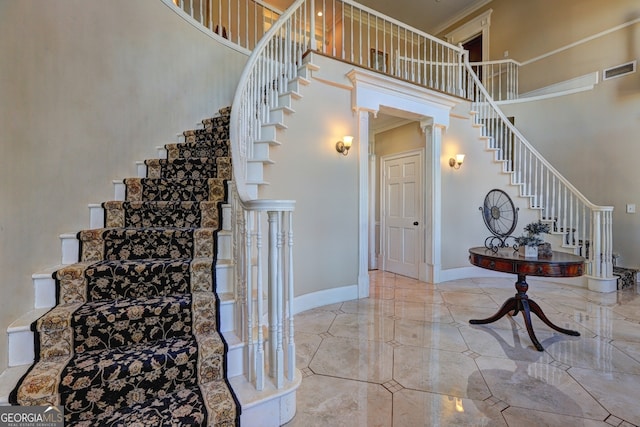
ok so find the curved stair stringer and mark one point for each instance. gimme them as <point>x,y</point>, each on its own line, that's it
<point>271,131</point>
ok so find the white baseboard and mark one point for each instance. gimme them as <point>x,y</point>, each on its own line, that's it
<point>325,297</point>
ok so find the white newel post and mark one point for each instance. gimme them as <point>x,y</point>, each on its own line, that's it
<point>260,310</point>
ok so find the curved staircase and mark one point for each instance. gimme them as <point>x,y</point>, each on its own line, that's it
<point>135,335</point>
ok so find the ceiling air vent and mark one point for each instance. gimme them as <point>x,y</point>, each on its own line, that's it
<point>619,71</point>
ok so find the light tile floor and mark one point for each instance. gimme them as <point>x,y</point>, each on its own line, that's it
<point>407,356</point>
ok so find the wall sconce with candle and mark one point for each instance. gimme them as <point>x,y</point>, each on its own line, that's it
<point>343,146</point>
<point>457,161</point>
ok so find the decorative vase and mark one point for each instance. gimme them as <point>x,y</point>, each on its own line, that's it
<point>530,251</point>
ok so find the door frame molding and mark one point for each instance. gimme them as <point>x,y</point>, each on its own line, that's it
<point>372,91</point>
<point>420,152</point>
<point>478,25</point>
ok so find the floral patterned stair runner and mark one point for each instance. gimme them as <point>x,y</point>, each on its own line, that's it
<point>134,339</point>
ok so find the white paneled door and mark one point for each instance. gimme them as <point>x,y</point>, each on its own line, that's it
<point>402,188</point>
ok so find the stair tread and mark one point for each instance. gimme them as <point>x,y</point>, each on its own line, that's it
<point>23,323</point>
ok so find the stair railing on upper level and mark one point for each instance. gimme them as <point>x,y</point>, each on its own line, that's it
<point>586,228</point>
<point>500,78</point>
<point>242,22</point>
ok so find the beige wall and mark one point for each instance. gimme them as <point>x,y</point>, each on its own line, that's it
<point>86,89</point>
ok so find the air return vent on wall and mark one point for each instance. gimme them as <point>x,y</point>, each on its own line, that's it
<point>619,70</point>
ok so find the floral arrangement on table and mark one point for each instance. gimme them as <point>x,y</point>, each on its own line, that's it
<point>531,240</point>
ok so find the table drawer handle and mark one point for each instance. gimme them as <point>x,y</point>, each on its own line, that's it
<point>492,265</point>
<point>539,269</point>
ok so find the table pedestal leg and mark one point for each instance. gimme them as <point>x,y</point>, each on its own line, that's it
<point>521,302</point>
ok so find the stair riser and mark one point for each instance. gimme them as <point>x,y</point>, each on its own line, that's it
<point>255,172</point>
<point>21,347</point>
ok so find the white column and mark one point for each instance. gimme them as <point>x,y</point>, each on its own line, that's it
<point>433,194</point>
<point>363,204</point>
<point>373,255</point>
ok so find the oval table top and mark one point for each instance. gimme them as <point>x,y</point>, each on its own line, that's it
<point>506,260</point>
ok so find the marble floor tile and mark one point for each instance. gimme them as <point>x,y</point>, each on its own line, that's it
<point>355,359</point>
<point>630,348</point>
<point>417,408</point>
<point>538,386</point>
<point>470,299</point>
<point>461,285</point>
<point>617,392</point>
<point>381,292</point>
<point>314,321</point>
<point>418,295</point>
<point>593,353</point>
<point>438,336</point>
<point>407,356</point>
<point>306,347</point>
<point>378,307</point>
<point>325,401</point>
<point>512,344</point>
<point>438,371</point>
<point>363,325</point>
<point>527,417</point>
<point>428,312</point>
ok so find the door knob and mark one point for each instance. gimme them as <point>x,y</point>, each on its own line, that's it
<point>415,223</point>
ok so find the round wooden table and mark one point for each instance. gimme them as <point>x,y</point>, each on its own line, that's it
<point>506,260</point>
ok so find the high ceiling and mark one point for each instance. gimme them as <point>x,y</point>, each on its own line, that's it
<point>431,16</point>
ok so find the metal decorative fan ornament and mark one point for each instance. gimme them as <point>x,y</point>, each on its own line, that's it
<point>501,217</point>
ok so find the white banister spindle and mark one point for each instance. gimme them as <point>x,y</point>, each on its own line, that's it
<point>312,29</point>
<point>248,279</point>
<point>260,356</point>
<point>596,244</point>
